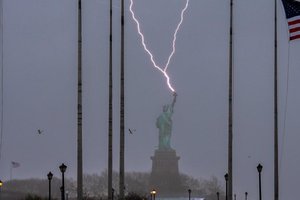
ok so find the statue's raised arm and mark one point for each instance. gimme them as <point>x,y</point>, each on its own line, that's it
<point>174,99</point>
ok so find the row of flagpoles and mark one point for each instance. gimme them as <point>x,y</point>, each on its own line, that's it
<point>292,11</point>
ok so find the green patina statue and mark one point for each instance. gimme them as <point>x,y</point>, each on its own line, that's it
<point>164,124</point>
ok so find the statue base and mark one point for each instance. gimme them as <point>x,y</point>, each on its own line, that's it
<point>165,178</point>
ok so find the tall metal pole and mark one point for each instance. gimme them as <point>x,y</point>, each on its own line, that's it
<point>2,76</point>
<point>276,175</point>
<point>122,109</point>
<point>79,107</point>
<point>110,112</point>
<point>10,172</point>
<point>230,107</point>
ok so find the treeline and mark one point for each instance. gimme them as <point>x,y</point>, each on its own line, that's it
<point>28,189</point>
<point>95,186</point>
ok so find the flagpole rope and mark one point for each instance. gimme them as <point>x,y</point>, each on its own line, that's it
<point>285,108</point>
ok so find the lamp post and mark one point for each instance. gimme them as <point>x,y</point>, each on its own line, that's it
<point>246,195</point>
<point>1,184</point>
<point>63,168</point>
<point>153,193</point>
<point>189,190</point>
<point>226,180</point>
<point>49,175</point>
<point>259,169</point>
<point>218,196</point>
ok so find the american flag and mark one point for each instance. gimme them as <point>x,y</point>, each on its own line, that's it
<point>292,13</point>
<point>15,164</point>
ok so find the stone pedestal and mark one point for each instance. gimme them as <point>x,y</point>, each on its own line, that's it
<point>165,178</point>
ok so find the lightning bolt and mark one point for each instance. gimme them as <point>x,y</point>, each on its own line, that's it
<point>163,70</point>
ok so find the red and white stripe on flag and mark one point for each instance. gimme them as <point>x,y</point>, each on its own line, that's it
<point>294,27</point>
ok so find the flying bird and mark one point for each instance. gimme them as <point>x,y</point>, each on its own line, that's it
<point>131,130</point>
<point>39,131</point>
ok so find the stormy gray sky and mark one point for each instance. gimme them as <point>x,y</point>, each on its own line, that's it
<point>40,72</point>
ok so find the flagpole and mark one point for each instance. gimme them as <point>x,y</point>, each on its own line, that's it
<point>276,176</point>
<point>10,172</point>
<point>230,107</point>
<point>110,112</point>
<point>2,76</point>
<point>79,107</point>
<point>122,111</point>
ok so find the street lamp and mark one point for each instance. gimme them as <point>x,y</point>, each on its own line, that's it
<point>49,175</point>
<point>259,169</point>
<point>189,190</point>
<point>226,179</point>
<point>153,193</point>
<point>246,195</point>
<point>63,168</point>
<point>218,195</point>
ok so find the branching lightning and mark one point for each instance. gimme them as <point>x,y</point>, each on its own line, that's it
<point>163,70</point>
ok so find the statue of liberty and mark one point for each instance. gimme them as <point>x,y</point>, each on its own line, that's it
<point>164,124</point>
